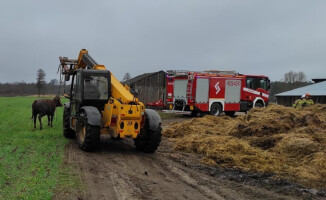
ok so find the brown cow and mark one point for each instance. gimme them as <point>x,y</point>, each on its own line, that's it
<point>42,107</point>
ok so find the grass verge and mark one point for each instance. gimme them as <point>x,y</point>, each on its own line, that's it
<point>31,160</point>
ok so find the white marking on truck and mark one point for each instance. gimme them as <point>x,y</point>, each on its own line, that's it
<point>217,87</point>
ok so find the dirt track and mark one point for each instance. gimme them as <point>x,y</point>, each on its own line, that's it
<point>118,171</point>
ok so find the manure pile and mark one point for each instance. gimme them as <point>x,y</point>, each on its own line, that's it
<point>288,142</point>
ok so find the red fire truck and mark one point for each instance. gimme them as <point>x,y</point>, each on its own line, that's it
<point>215,92</point>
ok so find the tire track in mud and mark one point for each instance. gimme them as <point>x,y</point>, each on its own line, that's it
<point>118,171</point>
<point>129,174</point>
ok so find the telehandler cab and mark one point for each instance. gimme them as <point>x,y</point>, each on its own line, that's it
<point>100,104</point>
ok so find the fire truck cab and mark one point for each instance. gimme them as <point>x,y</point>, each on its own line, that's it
<point>255,92</point>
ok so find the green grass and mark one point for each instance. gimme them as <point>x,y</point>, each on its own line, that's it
<point>31,161</point>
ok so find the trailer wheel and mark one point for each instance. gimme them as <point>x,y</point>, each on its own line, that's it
<point>216,109</point>
<point>88,136</point>
<point>148,140</point>
<point>67,131</point>
<point>230,113</point>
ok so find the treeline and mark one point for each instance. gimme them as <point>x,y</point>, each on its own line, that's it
<point>26,89</point>
<point>291,80</point>
<point>280,86</point>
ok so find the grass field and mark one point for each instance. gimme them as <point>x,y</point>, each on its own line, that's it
<point>31,161</point>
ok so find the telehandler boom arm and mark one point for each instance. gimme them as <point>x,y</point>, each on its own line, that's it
<point>85,61</point>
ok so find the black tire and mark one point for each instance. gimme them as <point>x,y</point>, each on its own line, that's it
<point>194,114</point>
<point>148,140</point>
<point>216,109</point>
<point>230,113</point>
<point>88,136</point>
<point>67,131</point>
<point>258,105</point>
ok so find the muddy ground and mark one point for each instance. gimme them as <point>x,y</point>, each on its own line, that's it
<point>118,171</point>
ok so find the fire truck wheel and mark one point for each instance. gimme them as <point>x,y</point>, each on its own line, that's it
<point>216,109</point>
<point>230,113</point>
<point>148,140</point>
<point>88,136</point>
<point>194,114</point>
<point>67,131</point>
<point>258,105</point>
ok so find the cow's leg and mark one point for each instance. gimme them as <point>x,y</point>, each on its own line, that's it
<point>34,119</point>
<point>49,119</point>
<point>40,119</point>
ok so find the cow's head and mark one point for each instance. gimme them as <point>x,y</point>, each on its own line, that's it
<point>57,101</point>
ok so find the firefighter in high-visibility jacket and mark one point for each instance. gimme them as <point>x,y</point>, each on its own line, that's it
<point>304,101</point>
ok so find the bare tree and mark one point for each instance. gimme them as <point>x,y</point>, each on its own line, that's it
<point>291,77</point>
<point>40,80</point>
<point>302,77</point>
<point>287,76</point>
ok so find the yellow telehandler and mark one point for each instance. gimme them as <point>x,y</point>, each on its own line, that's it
<point>100,104</point>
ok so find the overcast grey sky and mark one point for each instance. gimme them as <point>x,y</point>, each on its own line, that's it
<point>138,36</point>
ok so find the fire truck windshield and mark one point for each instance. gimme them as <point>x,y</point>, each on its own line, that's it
<point>257,82</point>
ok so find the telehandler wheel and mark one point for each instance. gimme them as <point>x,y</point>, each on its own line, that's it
<point>88,136</point>
<point>67,131</point>
<point>216,109</point>
<point>148,140</point>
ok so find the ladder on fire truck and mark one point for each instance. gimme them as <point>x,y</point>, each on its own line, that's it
<point>189,86</point>
<point>173,73</point>
<point>218,72</point>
